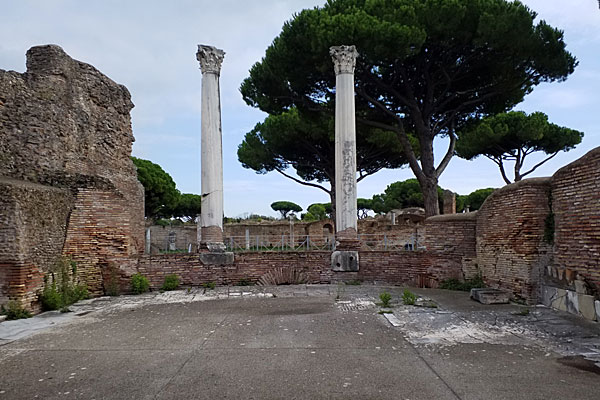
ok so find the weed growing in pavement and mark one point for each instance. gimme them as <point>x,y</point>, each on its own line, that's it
<point>409,298</point>
<point>14,310</point>
<point>385,298</point>
<point>60,295</point>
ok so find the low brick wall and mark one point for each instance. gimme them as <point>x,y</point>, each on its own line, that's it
<point>411,268</point>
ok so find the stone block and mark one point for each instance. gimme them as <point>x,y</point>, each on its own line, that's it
<point>560,301</point>
<point>597,306</point>
<point>2,318</point>
<point>490,296</point>
<point>344,261</point>
<point>580,287</point>
<point>217,258</point>
<point>586,306</point>
<point>549,294</point>
<point>572,302</point>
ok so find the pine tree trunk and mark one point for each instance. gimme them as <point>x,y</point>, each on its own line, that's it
<point>430,197</point>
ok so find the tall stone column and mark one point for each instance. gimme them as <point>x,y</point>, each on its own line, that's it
<point>211,217</point>
<point>344,60</point>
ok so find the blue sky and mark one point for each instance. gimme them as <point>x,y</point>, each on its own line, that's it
<point>149,46</point>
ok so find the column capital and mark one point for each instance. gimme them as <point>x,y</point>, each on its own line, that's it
<point>210,59</point>
<point>344,58</point>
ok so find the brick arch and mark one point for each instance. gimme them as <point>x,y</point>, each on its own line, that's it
<point>283,276</point>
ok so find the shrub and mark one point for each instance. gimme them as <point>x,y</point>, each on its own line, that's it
<point>409,298</point>
<point>245,282</point>
<point>67,292</point>
<point>385,298</point>
<point>212,285</point>
<point>14,310</point>
<point>171,282</point>
<point>139,284</point>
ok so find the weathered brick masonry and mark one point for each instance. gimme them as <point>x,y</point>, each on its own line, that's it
<point>398,267</point>
<point>511,252</point>
<point>65,173</point>
<point>576,206</point>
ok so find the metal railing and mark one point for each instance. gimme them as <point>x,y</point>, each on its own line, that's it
<point>278,243</point>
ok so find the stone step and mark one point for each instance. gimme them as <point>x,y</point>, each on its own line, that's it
<point>490,296</point>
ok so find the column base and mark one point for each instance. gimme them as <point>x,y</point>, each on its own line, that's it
<point>344,261</point>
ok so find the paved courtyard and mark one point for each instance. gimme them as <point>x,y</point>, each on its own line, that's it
<point>298,342</point>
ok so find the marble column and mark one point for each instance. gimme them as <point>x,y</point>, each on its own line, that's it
<point>211,217</point>
<point>344,59</point>
<point>346,259</point>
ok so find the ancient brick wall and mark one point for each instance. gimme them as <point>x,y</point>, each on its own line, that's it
<point>33,222</point>
<point>64,127</point>
<point>450,239</point>
<point>511,251</point>
<point>576,207</point>
<point>99,232</point>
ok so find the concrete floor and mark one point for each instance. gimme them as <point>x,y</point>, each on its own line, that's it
<point>319,342</point>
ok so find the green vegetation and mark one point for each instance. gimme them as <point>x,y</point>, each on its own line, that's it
<point>209,285</point>
<point>285,207</point>
<point>354,282</point>
<point>139,284</point>
<point>161,197</point>
<point>399,195</point>
<point>512,137</point>
<point>245,282</point>
<point>64,289</point>
<point>409,298</point>
<point>385,312</point>
<point>466,286</point>
<point>385,299</point>
<point>303,139</point>
<point>14,310</point>
<point>425,69</point>
<point>473,200</point>
<point>171,282</point>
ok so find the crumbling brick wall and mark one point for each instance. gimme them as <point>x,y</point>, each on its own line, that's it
<point>65,131</point>
<point>576,207</point>
<point>511,251</point>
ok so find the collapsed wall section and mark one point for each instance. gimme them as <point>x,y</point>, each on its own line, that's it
<point>65,130</point>
<point>511,250</point>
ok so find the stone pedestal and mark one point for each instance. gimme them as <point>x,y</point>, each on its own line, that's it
<point>345,258</point>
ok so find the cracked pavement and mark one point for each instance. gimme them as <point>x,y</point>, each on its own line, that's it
<point>306,341</point>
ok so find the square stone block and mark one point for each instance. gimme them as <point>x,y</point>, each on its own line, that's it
<point>217,258</point>
<point>490,296</point>
<point>586,306</point>
<point>344,261</point>
<point>572,302</point>
<point>549,294</point>
<point>560,301</point>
